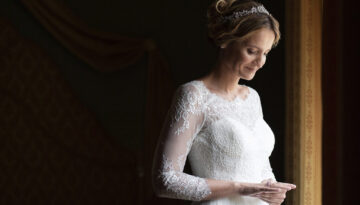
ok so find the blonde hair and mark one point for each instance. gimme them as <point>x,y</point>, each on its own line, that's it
<point>224,32</point>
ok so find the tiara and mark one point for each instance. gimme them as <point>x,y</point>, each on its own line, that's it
<point>254,10</point>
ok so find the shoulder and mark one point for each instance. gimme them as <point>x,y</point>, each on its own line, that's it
<point>189,97</point>
<point>191,91</point>
<point>191,86</point>
<point>252,91</point>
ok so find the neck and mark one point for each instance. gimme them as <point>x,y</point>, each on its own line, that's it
<point>222,77</point>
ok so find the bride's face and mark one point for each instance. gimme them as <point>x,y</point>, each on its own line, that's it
<point>245,58</point>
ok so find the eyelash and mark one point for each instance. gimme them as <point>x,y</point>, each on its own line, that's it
<point>250,51</point>
<point>254,52</point>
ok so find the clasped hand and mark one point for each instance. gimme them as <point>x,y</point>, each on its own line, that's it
<point>268,190</point>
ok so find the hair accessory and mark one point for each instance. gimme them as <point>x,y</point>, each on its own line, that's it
<point>254,10</point>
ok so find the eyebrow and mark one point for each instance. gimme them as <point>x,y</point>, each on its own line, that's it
<point>258,47</point>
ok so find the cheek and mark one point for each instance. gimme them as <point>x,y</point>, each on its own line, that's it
<point>246,58</point>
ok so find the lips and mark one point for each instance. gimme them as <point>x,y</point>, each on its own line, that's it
<point>251,69</point>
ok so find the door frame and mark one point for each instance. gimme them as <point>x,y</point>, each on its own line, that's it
<point>303,134</point>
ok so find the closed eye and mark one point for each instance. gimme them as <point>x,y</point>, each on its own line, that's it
<point>251,51</point>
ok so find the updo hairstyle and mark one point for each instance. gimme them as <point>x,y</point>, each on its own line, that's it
<point>222,32</point>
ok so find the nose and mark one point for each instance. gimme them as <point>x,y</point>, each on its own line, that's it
<point>260,61</point>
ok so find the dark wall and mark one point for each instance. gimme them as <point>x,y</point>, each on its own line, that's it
<point>341,142</point>
<point>119,108</point>
<point>351,85</point>
<point>270,84</point>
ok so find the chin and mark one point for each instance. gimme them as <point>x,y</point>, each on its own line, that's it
<point>248,77</point>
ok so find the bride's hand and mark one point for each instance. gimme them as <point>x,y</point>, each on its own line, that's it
<point>253,189</point>
<point>275,198</point>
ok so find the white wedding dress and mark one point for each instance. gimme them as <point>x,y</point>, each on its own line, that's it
<point>222,139</point>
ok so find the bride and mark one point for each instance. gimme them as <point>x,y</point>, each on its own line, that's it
<point>217,124</point>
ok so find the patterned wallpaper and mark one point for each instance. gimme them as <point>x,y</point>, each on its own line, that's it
<point>52,149</point>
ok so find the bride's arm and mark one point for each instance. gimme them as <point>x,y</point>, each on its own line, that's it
<point>184,121</point>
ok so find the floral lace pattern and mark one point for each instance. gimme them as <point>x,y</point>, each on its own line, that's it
<point>227,140</point>
<point>180,185</point>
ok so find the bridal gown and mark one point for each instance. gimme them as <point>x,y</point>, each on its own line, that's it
<point>222,139</point>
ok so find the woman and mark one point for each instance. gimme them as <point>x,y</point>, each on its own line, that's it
<point>218,124</point>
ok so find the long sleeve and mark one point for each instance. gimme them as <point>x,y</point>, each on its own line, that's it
<point>183,122</point>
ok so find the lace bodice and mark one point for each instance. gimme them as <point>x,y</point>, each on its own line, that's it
<point>225,140</point>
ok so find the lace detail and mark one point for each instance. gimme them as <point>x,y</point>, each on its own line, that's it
<point>180,185</point>
<point>185,119</point>
<point>226,140</point>
<point>248,114</point>
<point>187,103</point>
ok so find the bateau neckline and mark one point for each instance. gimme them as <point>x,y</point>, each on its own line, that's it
<point>237,98</point>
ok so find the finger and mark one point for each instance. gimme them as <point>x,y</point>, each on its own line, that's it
<point>285,186</point>
<point>269,189</point>
<point>270,180</point>
<point>261,191</point>
<point>263,199</point>
<point>270,200</point>
<point>280,192</point>
<point>277,196</point>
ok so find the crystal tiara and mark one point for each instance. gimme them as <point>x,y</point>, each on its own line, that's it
<point>254,10</point>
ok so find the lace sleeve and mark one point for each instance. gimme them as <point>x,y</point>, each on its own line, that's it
<point>258,103</point>
<point>183,122</point>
